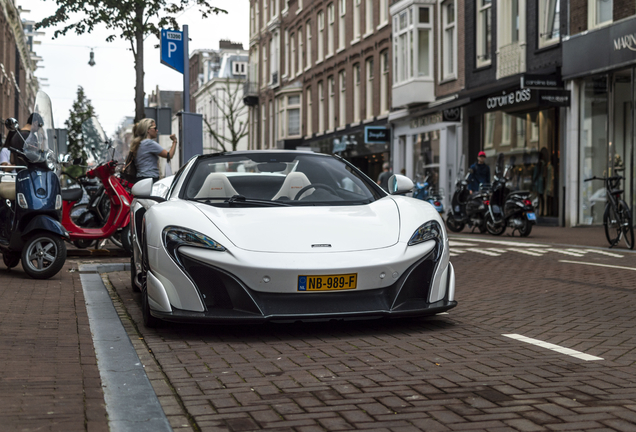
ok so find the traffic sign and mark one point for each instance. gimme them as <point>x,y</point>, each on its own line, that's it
<point>172,51</point>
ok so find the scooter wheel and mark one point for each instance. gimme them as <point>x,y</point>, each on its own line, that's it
<point>526,228</point>
<point>453,225</point>
<point>10,259</point>
<point>493,228</point>
<point>43,255</point>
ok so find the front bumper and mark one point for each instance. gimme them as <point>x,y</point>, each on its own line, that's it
<point>227,299</point>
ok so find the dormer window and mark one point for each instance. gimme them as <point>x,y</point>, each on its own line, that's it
<point>239,68</point>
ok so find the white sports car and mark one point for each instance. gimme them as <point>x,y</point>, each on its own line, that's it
<point>257,236</point>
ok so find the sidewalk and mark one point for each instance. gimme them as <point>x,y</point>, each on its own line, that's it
<point>49,378</point>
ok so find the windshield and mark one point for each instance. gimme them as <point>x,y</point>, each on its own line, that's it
<point>96,143</point>
<point>278,178</point>
<point>40,145</point>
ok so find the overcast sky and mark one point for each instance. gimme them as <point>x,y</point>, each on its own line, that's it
<point>110,84</point>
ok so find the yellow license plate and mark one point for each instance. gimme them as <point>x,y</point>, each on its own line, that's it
<point>328,282</point>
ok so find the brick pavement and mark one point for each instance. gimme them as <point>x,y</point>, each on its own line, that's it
<point>451,372</point>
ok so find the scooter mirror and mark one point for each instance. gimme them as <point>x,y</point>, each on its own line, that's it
<point>11,124</point>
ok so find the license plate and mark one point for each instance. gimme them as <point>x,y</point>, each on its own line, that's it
<point>328,282</point>
<point>531,216</point>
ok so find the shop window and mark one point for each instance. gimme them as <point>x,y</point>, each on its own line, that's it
<point>549,32</point>
<point>484,32</point>
<point>426,157</point>
<point>506,129</point>
<point>599,13</point>
<point>520,132</point>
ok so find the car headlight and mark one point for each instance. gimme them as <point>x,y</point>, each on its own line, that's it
<point>428,231</point>
<point>175,237</point>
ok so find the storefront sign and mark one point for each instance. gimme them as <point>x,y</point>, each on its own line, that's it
<point>427,120</point>
<point>452,114</point>
<point>540,81</point>
<point>600,50</point>
<point>507,100</point>
<point>525,99</point>
<point>376,135</point>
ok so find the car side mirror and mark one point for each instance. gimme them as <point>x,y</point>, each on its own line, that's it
<point>11,124</point>
<point>143,190</point>
<point>399,184</point>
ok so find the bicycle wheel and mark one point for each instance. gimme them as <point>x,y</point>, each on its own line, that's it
<point>626,224</point>
<point>611,221</point>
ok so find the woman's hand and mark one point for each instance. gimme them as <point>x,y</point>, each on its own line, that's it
<point>173,137</point>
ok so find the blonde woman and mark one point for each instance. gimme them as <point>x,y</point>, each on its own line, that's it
<point>147,150</point>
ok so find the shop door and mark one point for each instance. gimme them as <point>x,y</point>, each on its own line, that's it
<point>621,148</point>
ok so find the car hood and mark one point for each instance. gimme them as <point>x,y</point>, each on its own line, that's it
<point>308,228</point>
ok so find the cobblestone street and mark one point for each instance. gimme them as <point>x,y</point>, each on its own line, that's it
<point>486,365</point>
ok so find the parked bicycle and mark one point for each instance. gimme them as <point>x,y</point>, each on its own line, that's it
<point>617,217</point>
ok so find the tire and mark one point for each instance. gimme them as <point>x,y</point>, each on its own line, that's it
<point>612,225</point>
<point>453,225</point>
<point>526,228</point>
<point>133,275</point>
<point>11,259</point>
<point>43,255</point>
<point>492,228</point>
<point>148,319</point>
<point>83,243</point>
<point>126,239</point>
<point>626,223</point>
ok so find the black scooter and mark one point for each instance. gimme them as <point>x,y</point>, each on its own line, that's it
<point>30,228</point>
<point>507,208</point>
<point>466,208</point>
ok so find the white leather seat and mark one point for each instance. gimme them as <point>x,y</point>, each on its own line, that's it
<point>293,183</point>
<point>216,185</point>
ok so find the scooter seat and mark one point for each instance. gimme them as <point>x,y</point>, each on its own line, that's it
<point>74,194</point>
<point>7,190</point>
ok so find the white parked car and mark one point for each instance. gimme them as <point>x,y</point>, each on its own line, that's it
<point>256,236</point>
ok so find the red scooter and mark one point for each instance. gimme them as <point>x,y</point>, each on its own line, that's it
<point>115,191</point>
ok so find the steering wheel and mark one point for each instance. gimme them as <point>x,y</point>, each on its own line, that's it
<point>314,186</point>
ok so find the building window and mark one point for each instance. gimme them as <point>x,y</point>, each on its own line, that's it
<point>239,68</point>
<point>263,127</point>
<point>412,44</point>
<point>321,37</point>
<point>301,53</point>
<point>321,108</point>
<point>510,23</point>
<point>342,99</point>
<point>356,20</point>
<point>271,124</point>
<point>257,22</point>
<point>293,116</point>
<point>292,59</point>
<point>281,117</point>
<point>286,67</point>
<point>265,78</point>
<point>273,58</point>
<point>369,89</point>
<point>331,113</point>
<point>308,30</point>
<point>274,8</point>
<point>599,13</point>
<point>252,18</point>
<point>484,32</point>
<point>368,17</point>
<point>342,10</point>
<point>300,6</point>
<point>384,12</point>
<point>449,40</point>
<point>385,86</point>
<point>331,16</point>
<point>265,16</point>
<point>549,32</point>
<point>356,93</point>
<point>310,118</point>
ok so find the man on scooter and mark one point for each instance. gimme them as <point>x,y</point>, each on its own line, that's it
<point>480,173</point>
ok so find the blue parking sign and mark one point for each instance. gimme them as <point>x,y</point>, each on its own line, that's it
<point>172,49</point>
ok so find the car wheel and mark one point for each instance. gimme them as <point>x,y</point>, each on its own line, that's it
<point>453,224</point>
<point>492,227</point>
<point>11,259</point>
<point>43,255</point>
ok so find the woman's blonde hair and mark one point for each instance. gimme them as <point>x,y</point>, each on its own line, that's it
<point>140,131</point>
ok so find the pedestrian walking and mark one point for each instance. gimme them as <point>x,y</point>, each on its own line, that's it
<point>385,175</point>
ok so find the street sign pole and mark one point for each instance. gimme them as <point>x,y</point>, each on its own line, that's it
<point>186,70</point>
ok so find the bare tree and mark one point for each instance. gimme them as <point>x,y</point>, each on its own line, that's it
<point>231,111</point>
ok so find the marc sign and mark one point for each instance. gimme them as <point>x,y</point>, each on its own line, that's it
<point>625,42</point>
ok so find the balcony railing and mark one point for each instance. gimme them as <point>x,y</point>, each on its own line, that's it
<point>511,59</point>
